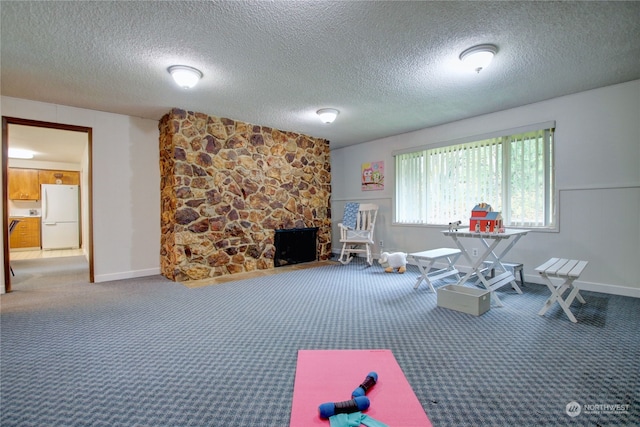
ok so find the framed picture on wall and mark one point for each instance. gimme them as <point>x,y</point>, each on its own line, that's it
<point>372,174</point>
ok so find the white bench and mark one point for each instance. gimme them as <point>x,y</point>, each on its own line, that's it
<point>425,261</point>
<point>569,270</point>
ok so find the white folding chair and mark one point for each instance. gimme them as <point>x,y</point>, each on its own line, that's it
<point>357,237</point>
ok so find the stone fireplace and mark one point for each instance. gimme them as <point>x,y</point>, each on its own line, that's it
<point>226,186</point>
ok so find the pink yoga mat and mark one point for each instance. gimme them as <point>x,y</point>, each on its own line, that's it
<point>331,375</point>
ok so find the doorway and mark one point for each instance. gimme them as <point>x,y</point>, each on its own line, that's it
<point>51,152</point>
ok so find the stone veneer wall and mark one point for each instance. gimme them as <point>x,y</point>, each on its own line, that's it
<point>227,185</point>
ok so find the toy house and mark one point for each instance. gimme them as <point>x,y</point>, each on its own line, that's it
<point>485,220</point>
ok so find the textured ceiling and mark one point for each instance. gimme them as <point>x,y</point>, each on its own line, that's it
<point>390,67</point>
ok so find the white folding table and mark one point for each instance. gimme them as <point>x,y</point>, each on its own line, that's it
<point>490,241</point>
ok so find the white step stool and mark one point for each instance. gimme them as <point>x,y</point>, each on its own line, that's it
<point>426,259</point>
<point>569,270</point>
<point>514,266</point>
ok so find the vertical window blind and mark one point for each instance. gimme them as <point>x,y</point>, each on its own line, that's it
<point>513,173</point>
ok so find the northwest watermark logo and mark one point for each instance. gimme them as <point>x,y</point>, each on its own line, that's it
<point>573,409</point>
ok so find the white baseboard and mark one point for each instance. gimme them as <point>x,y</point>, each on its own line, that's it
<point>99,278</point>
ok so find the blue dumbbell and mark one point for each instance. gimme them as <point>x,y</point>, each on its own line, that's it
<point>329,409</point>
<point>369,382</point>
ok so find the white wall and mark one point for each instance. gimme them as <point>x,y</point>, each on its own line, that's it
<point>126,185</point>
<point>36,164</point>
<point>598,176</point>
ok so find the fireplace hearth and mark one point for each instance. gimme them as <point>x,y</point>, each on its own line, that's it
<point>295,245</point>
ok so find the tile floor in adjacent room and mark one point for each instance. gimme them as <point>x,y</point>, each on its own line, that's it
<point>55,253</point>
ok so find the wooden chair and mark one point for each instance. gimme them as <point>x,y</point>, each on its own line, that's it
<point>12,225</point>
<point>357,237</point>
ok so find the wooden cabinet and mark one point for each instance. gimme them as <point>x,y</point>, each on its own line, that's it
<point>59,177</point>
<point>23,184</point>
<point>26,234</point>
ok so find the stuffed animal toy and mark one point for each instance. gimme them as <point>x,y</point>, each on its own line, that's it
<point>393,261</point>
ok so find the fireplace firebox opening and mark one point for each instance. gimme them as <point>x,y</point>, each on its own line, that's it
<point>295,245</point>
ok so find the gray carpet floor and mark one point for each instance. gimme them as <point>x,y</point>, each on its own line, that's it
<point>40,273</point>
<point>150,352</point>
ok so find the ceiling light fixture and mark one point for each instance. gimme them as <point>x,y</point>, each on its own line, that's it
<point>185,77</point>
<point>18,153</point>
<point>478,57</point>
<point>328,115</point>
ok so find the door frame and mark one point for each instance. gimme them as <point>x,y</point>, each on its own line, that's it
<point>88,240</point>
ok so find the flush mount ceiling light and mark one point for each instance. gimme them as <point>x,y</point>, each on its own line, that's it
<point>185,77</point>
<point>18,153</point>
<point>328,115</point>
<point>478,57</point>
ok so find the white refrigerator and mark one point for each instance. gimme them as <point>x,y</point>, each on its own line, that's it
<point>60,213</point>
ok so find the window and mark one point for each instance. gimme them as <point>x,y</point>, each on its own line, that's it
<point>512,172</point>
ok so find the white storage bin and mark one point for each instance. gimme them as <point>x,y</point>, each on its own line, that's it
<point>462,298</point>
